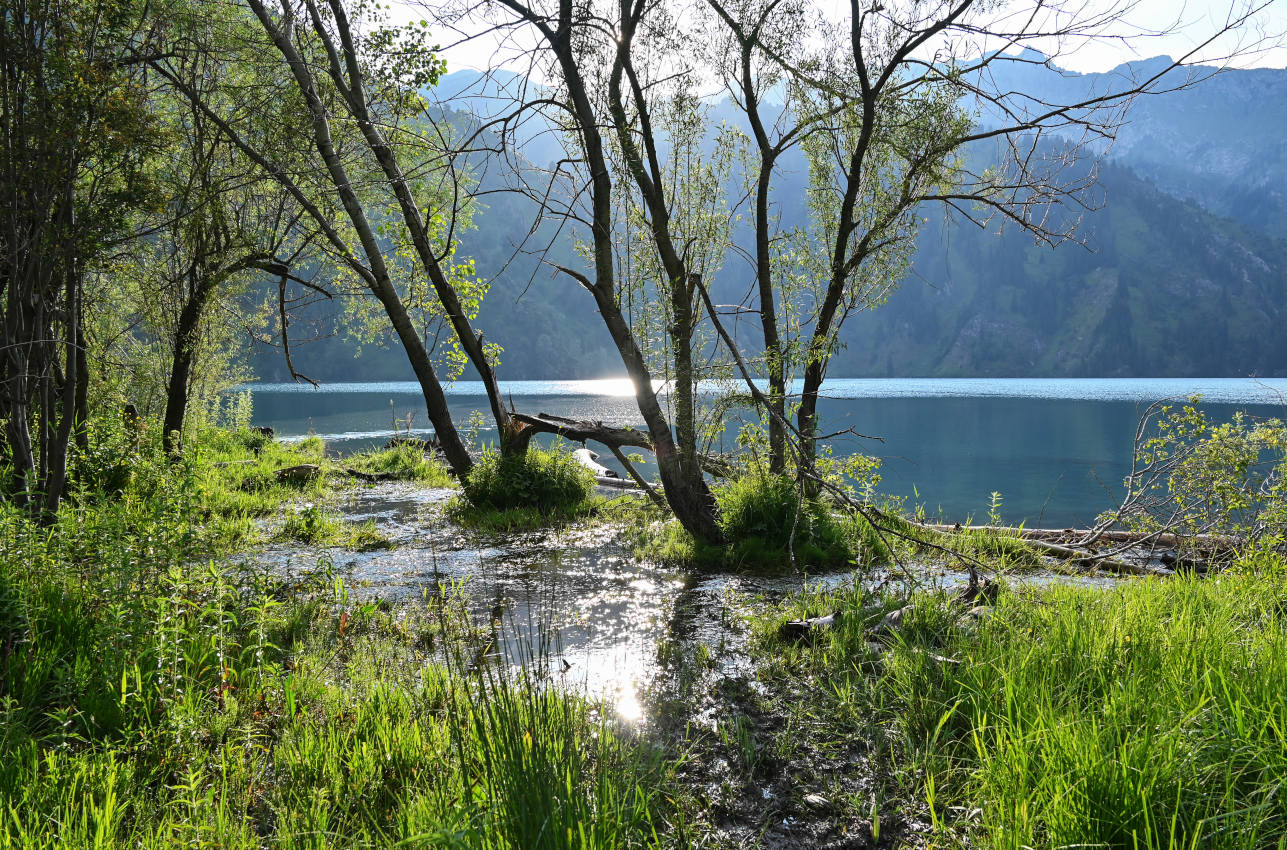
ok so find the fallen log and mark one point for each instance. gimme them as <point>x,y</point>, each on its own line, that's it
<point>1077,556</point>
<point>298,474</point>
<point>1164,539</point>
<point>525,426</point>
<point>371,477</point>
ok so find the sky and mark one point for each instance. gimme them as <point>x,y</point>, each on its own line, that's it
<point>1186,24</point>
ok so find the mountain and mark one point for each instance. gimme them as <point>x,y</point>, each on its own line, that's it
<point>1217,139</point>
<point>1184,270</point>
<point>1162,288</point>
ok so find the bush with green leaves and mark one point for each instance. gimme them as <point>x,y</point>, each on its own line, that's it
<point>1195,477</point>
<point>767,519</point>
<point>769,526</point>
<point>545,480</point>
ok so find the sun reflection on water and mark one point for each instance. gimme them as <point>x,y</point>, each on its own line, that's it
<point>628,706</point>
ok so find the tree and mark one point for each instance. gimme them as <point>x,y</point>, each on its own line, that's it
<point>358,130</point>
<point>885,111</point>
<point>909,94</point>
<point>76,133</point>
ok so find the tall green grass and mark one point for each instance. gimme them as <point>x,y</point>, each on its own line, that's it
<point>406,462</point>
<point>505,493</point>
<point>1149,715</point>
<point>154,696</point>
<point>768,524</point>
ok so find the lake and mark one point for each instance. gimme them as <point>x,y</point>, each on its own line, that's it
<point>1055,449</point>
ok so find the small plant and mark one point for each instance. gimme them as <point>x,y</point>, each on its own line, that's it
<point>310,525</point>
<point>1194,477</point>
<point>994,508</point>
<point>548,481</point>
<point>367,537</point>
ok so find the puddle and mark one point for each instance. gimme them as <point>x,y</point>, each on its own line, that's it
<point>575,598</point>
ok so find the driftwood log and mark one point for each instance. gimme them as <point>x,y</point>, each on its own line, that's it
<point>524,426</point>
<point>1075,536</point>
<point>298,474</point>
<point>806,630</point>
<point>1075,546</point>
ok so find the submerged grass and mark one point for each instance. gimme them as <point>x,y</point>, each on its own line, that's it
<point>1148,715</point>
<point>153,697</point>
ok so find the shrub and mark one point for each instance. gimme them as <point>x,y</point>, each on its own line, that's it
<point>548,481</point>
<point>759,513</point>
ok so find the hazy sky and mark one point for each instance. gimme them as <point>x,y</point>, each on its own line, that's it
<point>1196,19</point>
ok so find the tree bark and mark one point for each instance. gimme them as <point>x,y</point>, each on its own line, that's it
<point>176,392</point>
<point>379,282</point>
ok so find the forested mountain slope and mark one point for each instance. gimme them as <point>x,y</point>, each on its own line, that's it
<point>1182,272</point>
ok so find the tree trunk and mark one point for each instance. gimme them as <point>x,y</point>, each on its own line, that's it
<point>56,479</point>
<point>380,282</point>
<point>471,342</point>
<point>176,391</point>
<point>684,485</point>
<point>768,319</point>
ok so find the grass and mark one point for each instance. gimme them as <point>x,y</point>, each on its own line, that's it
<point>1148,715</point>
<point>766,523</point>
<point>540,488</point>
<point>405,462</point>
<point>154,696</point>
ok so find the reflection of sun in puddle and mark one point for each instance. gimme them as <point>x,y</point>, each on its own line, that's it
<point>614,678</point>
<point>628,707</point>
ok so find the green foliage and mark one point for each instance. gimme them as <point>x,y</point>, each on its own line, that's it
<point>551,483</point>
<point>764,516</point>
<point>407,462</point>
<point>759,514</point>
<point>311,525</point>
<point>1199,478</point>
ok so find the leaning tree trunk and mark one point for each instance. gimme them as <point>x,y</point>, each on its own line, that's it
<point>684,484</point>
<point>379,282</point>
<point>349,80</point>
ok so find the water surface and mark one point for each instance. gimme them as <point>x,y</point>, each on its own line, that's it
<point>1055,449</point>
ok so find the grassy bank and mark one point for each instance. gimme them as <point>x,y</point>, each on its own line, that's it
<point>768,527</point>
<point>152,695</point>
<point>1148,715</point>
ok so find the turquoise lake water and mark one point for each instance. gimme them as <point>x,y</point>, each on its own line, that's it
<point>1056,449</point>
